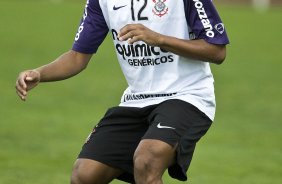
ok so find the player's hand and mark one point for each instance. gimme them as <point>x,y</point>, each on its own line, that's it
<point>138,32</point>
<point>26,81</point>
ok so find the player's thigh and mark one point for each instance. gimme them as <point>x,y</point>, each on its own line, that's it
<point>154,155</point>
<point>87,171</point>
<point>180,125</point>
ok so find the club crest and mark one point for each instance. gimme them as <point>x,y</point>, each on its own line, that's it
<point>220,28</point>
<point>160,8</point>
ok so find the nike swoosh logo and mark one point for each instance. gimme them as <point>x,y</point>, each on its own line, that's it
<point>118,7</point>
<point>160,126</point>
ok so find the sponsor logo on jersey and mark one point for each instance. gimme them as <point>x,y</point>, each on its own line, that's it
<point>130,97</point>
<point>204,18</point>
<point>118,7</point>
<point>160,8</point>
<point>141,54</point>
<point>81,27</point>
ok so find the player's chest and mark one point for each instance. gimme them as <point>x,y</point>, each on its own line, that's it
<point>143,11</point>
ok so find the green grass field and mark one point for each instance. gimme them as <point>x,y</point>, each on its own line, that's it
<point>40,138</point>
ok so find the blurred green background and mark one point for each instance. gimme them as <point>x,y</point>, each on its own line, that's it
<point>40,138</point>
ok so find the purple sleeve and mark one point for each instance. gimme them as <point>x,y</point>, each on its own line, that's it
<point>205,22</point>
<point>92,30</point>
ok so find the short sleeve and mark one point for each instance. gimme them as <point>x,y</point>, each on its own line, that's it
<point>205,22</point>
<point>92,30</point>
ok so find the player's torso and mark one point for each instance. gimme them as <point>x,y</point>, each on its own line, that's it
<point>146,68</point>
<point>153,74</point>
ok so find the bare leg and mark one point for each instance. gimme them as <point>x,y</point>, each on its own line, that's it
<point>88,171</point>
<point>151,159</point>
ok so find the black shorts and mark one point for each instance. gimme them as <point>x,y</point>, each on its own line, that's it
<point>115,138</point>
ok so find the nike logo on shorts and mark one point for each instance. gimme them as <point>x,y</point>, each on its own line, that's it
<point>160,126</point>
<point>118,7</point>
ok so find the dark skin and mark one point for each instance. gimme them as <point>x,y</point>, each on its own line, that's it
<point>196,49</point>
<point>152,157</point>
<point>65,66</point>
<point>72,63</point>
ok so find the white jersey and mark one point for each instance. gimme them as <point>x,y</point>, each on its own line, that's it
<point>153,74</point>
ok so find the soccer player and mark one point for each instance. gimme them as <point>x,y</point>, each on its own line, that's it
<point>164,48</point>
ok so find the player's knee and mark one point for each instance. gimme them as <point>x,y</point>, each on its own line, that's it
<point>80,176</point>
<point>142,163</point>
<point>145,170</point>
<point>76,178</point>
<point>88,171</point>
<point>145,164</point>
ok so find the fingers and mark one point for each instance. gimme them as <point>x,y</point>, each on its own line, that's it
<point>21,80</point>
<point>125,30</point>
<point>138,32</point>
<point>131,37</point>
<point>21,87</point>
<point>131,33</point>
<point>32,76</point>
<point>25,82</point>
<point>134,39</point>
<point>22,97</point>
<point>22,93</point>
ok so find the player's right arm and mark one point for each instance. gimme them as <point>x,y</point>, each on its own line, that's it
<point>65,66</point>
<point>91,33</point>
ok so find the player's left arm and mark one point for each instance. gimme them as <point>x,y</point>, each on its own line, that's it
<point>197,49</point>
